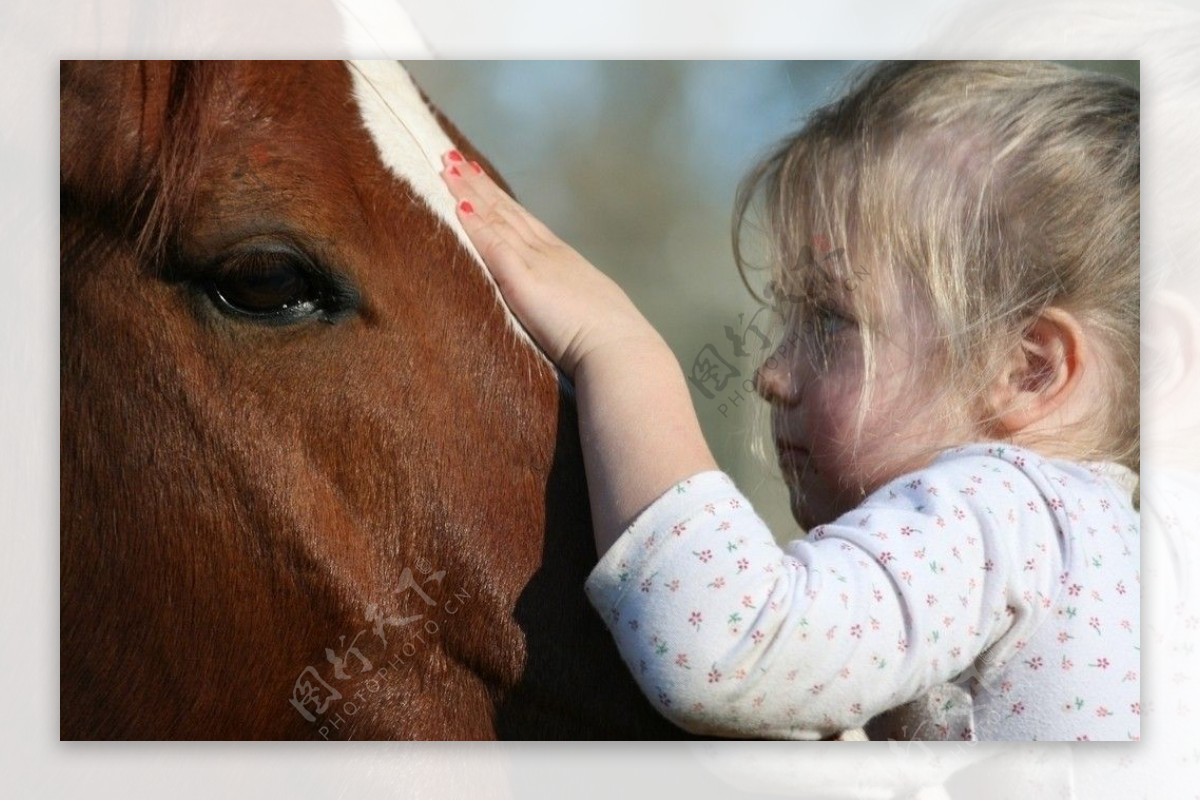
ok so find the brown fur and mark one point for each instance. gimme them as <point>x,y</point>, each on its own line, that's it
<point>235,497</point>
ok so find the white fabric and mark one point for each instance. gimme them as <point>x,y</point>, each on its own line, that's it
<point>1013,576</point>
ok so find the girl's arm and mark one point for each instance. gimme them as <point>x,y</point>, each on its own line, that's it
<point>639,431</point>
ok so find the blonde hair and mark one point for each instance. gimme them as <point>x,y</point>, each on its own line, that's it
<point>988,191</point>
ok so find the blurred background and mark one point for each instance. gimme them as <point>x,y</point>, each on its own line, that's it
<point>636,164</point>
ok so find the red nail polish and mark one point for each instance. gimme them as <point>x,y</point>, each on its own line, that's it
<point>455,155</point>
<point>475,166</point>
<point>466,207</point>
<point>454,171</point>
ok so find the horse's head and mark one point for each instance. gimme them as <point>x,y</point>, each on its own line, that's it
<point>315,481</point>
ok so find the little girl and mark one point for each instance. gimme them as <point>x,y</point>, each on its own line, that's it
<point>954,406</point>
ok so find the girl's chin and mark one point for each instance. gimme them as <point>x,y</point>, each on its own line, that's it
<point>803,513</point>
<point>807,514</point>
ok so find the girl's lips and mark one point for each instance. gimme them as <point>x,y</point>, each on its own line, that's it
<point>791,452</point>
<point>795,461</point>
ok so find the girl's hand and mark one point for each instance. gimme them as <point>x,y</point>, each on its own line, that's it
<point>574,311</point>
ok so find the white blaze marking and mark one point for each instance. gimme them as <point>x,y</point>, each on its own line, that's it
<point>410,144</point>
<point>409,140</point>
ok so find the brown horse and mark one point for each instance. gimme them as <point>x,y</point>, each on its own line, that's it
<point>315,481</point>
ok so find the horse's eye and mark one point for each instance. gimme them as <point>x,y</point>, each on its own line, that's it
<point>267,286</point>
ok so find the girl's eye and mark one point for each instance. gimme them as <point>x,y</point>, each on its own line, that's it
<point>274,287</point>
<point>823,323</point>
<point>830,322</point>
<point>823,329</point>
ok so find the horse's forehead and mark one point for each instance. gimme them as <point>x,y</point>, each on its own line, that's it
<point>407,135</point>
<point>410,142</point>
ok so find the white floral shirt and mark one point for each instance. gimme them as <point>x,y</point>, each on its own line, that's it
<point>1007,581</point>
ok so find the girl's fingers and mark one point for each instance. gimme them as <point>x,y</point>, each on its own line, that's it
<point>494,238</point>
<point>467,180</point>
<point>501,236</point>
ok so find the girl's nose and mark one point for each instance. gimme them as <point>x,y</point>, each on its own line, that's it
<point>775,379</point>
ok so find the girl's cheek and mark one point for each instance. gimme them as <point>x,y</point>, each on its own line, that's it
<point>837,392</point>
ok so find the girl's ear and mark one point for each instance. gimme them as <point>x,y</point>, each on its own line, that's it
<point>1042,373</point>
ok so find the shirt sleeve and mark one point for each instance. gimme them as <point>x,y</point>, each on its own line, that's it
<point>730,634</point>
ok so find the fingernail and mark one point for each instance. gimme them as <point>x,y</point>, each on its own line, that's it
<point>455,155</point>
<point>475,166</point>
<point>454,171</point>
<point>466,207</point>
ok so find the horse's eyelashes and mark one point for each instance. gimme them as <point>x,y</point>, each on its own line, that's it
<point>273,287</point>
